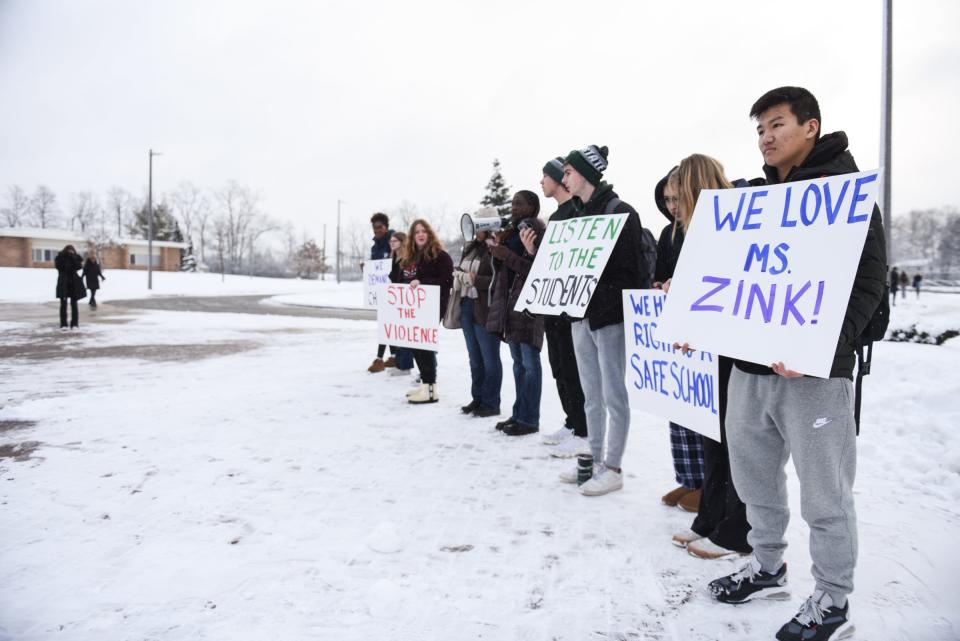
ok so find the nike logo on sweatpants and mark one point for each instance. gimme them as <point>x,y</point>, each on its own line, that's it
<point>820,422</point>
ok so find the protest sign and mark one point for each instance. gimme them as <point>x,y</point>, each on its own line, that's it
<point>568,265</point>
<point>408,316</point>
<point>766,272</point>
<point>375,273</point>
<point>684,389</point>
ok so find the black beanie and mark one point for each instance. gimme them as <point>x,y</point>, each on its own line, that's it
<point>554,169</point>
<point>590,162</point>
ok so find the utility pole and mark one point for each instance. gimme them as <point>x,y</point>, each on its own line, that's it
<point>323,271</point>
<point>150,221</point>
<point>339,202</point>
<point>886,125</point>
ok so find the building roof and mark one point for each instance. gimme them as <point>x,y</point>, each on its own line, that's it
<point>70,236</point>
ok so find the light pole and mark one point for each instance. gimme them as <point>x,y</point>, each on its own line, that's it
<point>150,221</point>
<point>886,123</point>
<point>339,202</point>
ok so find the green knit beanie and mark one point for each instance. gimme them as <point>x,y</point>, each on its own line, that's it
<point>554,169</point>
<point>590,162</point>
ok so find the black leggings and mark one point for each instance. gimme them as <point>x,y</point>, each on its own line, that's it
<point>74,313</point>
<point>427,364</point>
<point>382,348</point>
<point>93,297</point>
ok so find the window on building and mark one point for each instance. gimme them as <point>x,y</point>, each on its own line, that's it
<point>141,259</point>
<point>43,255</point>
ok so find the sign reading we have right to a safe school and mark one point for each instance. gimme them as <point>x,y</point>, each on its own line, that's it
<point>568,264</point>
<point>766,272</point>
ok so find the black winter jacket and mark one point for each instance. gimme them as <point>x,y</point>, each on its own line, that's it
<point>381,247</point>
<point>93,274</point>
<point>831,158</point>
<point>502,320</point>
<point>69,283</point>
<point>438,271</point>
<point>625,268</point>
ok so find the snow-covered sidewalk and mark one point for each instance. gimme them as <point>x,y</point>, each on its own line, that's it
<point>218,476</point>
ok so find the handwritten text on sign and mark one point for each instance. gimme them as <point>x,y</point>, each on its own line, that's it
<point>663,381</point>
<point>409,317</point>
<point>568,265</point>
<point>766,272</point>
<point>375,273</point>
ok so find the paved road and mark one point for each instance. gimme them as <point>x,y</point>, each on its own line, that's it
<point>240,305</point>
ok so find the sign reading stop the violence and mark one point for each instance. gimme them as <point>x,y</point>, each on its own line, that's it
<point>408,316</point>
<point>375,274</point>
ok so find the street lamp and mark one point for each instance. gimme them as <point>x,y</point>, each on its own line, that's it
<point>150,221</point>
<point>886,125</point>
<point>339,202</point>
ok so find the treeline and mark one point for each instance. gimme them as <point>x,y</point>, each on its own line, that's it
<point>929,239</point>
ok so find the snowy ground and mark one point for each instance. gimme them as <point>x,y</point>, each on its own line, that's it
<point>170,475</point>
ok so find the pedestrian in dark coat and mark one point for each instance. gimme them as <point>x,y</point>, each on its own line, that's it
<point>69,285</point>
<point>381,250</point>
<point>522,332</point>
<point>92,274</point>
<point>894,285</point>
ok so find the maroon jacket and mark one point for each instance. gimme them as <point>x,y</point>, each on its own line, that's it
<point>432,272</point>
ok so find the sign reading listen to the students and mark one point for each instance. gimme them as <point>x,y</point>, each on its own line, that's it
<point>662,380</point>
<point>568,265</point>
<point>375,273</point>
<point>766,272</point>
<point>409,316</point>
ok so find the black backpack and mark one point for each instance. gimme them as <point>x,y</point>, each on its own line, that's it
<point>875,330</point>
<point>648,245</point>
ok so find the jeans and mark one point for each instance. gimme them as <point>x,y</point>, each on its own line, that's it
<point>527,378</point>
<point>404,358</point>
<point>486,371</point>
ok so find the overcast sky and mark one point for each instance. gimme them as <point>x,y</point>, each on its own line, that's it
<point>380,102</point>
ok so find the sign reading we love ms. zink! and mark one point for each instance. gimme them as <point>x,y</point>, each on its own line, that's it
<point>409,316</point>
<point>766,272</point>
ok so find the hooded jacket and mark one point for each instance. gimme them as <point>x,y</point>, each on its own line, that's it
<point>830,157</point>
<point>624,269</point>
<point>69,283</point>
<point>502,320</point>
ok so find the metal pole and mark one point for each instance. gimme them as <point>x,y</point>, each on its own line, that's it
<point>150,225</point>
<point>886,125</point>
<point>323,272</point>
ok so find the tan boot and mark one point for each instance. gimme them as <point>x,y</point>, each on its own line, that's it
<point>690,502</point>
<point>390,362</point>
<point>426,393</point>
<point>671,497</point>
<point>376,366</point>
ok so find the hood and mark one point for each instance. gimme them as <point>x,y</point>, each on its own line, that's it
<point>829,157</point>
<point>658,196</point>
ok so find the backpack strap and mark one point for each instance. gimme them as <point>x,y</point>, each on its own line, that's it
<point>863,368</point>
<point>612,204</point>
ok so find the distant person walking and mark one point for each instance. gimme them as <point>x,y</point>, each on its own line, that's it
<point>894,285</point>
<point>93,275</point>
<point>917,279</point>
<point>69,285</point>
<point>904,282</point>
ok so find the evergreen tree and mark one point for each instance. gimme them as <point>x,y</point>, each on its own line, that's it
<point>165,225</point>
<point>498,192</point>
<point>309,260</point>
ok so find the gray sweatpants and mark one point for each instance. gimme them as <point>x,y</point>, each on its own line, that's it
<point>770,418</point>
<point>602,362</point>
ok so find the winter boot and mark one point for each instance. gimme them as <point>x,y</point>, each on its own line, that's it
<point>690,502</point>
<point>426,393</point>
<point>376,366</point>
<point>673,496</point>
<point>390,362</point>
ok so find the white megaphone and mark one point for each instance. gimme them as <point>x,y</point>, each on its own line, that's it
<point>487,219</point>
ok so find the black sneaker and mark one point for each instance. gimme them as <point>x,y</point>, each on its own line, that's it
<point>469,407</point>
<point>818,620</point>
<point>750,582</point>
<point>519,429</point>
<point>503,424</point>
<point>482,411</point>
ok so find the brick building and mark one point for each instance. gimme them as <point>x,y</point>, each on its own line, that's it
<point>34,247</point>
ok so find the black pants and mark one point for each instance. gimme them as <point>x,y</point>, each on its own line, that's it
<point>563,365</point>
<point>382,348</point>
<point>722,516</point>
<point>74,313</point>
<point>93,297</point>
<point>427,364</point>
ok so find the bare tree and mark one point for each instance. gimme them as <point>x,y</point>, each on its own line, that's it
<point>192,207</point>
<point>237,207</point>
<point>43,207</point>
<point>18,207</point>
<point>85,211</point>
<point>120,203</point>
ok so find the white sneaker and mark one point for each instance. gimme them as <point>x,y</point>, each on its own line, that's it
<point>393,371</point>
<point>704,548</point>
<point>570,448</point>
<point>570,475</point>
<point>603,482</point>
<point>558,437</point>
<point>682,539</point>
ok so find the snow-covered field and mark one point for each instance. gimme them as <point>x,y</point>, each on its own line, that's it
<point>189,476</point>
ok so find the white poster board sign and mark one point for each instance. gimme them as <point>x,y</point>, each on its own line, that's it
<point>409,317</point>
<point>568,265</point>
<point>766,272</point>
<point>375,273</point>
<point>684,389</point>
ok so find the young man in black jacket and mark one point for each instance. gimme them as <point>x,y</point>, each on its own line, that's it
<point>775,412</point>
<point>598,339</point>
